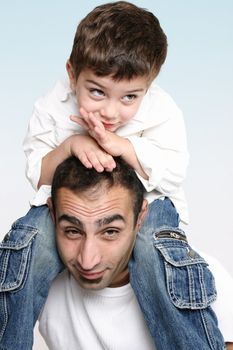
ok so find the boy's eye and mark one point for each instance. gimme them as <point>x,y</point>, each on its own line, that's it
<point>129,98</point>
<point>97,92</point>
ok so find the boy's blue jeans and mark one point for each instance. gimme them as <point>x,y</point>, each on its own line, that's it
<point>172,283</point>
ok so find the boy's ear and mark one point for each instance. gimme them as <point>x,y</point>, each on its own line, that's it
<point>142,214</point>
<point>51,210</point>
<point>71,75</point>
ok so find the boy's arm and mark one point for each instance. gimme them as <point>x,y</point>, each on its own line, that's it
<point>162,152</point>
<point>84,147</point>
<point>47,144</point>
<point>159,155</point>
<point>112,143</point>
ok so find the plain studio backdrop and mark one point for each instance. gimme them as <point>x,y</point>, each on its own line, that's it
<point>36,39</point>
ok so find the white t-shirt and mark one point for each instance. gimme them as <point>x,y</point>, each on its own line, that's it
<point>157,133</point>
<point>77,319</point>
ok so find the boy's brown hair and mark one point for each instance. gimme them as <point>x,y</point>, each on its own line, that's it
<point>121,40</point>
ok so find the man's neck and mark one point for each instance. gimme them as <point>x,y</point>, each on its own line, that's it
<point>122,280</point>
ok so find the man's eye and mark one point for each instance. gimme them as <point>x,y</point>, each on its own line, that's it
<point>97,92</point>
<point>129,98</point>
<point>111,234</point>
<point>72,233</point>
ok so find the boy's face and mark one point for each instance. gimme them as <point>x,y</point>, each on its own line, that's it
<point>113,102</point>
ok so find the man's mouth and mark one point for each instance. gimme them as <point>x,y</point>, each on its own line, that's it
<point>91,275</point>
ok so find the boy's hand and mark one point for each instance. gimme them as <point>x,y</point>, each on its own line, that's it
<point>87,150</point>
<point>113,144</point>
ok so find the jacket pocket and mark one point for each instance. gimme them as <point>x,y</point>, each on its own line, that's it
<point>15,252</point>
<point>190,283</point>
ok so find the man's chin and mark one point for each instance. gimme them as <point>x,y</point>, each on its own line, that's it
<point>94,284</point>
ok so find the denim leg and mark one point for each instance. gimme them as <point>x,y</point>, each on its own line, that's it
<point>172,327</point>
<point>28,264</point>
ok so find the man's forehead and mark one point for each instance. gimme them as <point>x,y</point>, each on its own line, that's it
<point>115,200</point>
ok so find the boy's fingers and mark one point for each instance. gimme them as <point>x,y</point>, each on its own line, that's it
<point>94,160</point>
<point>84,160</point>
<point>79,121</point>
<point>83,112</point>
<point>101,161</point>
<point>107,161</point>
<point>74,118</point>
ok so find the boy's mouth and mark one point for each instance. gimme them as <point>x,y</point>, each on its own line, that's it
<point>109,126</point>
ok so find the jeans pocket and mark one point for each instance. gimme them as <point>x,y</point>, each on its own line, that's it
<point>15,252</point>
<point>190,283</point>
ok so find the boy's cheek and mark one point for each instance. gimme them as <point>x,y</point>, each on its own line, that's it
<point>87,104</point>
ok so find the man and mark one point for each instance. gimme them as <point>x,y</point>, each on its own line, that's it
<point>92,306</point>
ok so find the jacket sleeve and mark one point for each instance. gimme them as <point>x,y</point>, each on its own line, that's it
<point>223,305</point>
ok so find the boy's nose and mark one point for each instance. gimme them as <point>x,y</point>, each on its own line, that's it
<point>110,112</point>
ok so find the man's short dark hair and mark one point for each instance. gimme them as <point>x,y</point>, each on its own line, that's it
<point>72,174</point>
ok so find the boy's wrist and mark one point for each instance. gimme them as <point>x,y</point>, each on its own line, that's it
<point>68,145</point>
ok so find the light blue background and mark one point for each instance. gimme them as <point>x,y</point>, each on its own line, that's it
<point>36,38</point>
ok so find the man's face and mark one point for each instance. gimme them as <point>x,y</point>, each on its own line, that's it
<point>95,233</point>
<point>113,102</point>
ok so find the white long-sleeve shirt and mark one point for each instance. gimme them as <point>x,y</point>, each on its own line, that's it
<point>157,133</point>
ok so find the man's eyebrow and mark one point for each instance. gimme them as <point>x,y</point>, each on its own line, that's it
<point>109,219</point>
<point>101,222</point>
<point>72,219</point>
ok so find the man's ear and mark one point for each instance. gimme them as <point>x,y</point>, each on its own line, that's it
<point>51,210</point>
<point>142,214</point>
<point>71,75</point>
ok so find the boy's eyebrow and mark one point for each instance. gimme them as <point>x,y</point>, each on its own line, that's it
<point>95,82</point>
<point>103,87</point>
<point>135,90</point>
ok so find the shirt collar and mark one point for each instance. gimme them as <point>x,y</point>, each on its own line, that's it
<point>64,90</point>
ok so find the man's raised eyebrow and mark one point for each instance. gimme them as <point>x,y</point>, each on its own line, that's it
<point>109,219</point>
<point>72,219</point>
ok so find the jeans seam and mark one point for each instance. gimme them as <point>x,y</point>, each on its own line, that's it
<point>183,304</point>
<point>4,266</point>
<point>23,272</point>
<point>2,330</point>
<point>201,280</point>
<point>208,332</point>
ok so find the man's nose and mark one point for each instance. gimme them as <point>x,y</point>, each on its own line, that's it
<point>89,255</point>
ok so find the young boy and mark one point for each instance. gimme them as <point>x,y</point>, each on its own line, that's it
<point>110,106</point>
